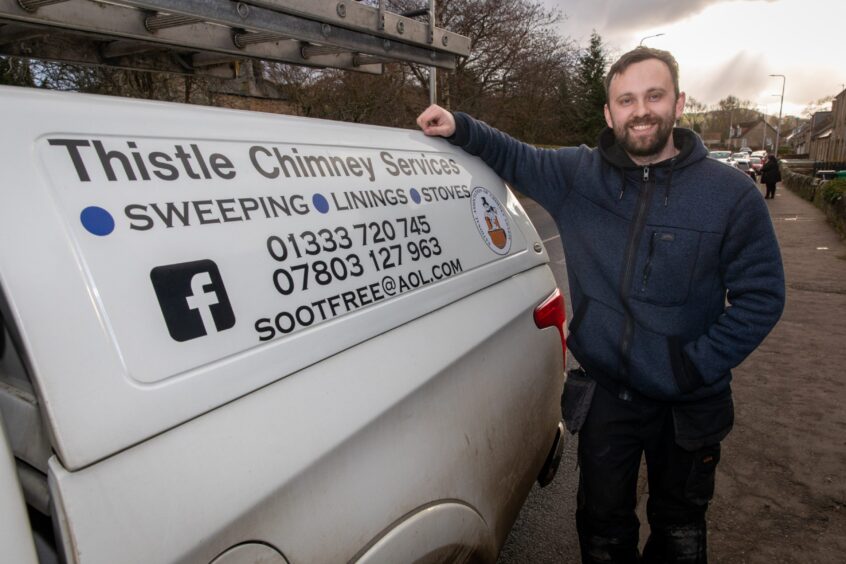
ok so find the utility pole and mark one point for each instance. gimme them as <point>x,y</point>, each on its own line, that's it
<point>780,106</point>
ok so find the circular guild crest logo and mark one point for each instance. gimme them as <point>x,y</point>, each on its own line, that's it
<point>491,220</point>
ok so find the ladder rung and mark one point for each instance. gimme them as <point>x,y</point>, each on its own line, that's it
<point>157,22</point>
<point>241,40</point>
<point>33,5</point>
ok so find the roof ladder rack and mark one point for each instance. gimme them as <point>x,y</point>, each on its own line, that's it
<point>342,34</point>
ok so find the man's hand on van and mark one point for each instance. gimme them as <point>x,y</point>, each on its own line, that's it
<point>436,121</point>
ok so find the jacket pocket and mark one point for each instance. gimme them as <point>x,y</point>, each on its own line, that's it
<point>664,266</point>
<point>576,400</point>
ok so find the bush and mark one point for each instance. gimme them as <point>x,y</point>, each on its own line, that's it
<point>833,190</point>
<point>828,196</point>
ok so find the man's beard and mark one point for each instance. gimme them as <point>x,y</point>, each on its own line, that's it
<point>645,146</point>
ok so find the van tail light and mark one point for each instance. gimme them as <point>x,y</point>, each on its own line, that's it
<point>551,313</point>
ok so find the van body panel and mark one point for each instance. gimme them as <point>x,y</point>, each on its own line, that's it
<point>174,258</point>
<point>442,532</point>
<point>15,535</point>
<point>336,456</point>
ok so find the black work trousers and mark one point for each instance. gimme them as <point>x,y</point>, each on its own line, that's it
<point>616,433</point>
<point>771,187</point>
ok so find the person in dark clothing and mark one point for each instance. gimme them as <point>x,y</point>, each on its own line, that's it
<point>675,276</point>
<point>770,175</point>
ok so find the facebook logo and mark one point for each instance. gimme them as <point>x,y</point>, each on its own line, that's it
<point>193,300</point>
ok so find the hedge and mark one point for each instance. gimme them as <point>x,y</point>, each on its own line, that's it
<point>829,196</point>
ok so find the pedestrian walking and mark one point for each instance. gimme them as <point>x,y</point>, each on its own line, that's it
<point>658,240</point>
<point>770,175</point>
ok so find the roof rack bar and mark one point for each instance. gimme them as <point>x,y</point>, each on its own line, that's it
<point>16,33</point>
<point>212,59</point>
<point>415,13</point>
<point>122,48</point>
<point>159,21</point>
<point>359,60</point>
<point>33,5</point>
<point>430,37</point>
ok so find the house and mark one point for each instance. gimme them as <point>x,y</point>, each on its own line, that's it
<point>797,139</point>
<point>711,140</point>
<point>837,142</point>
<point>755,135</point>
<point>819,135</point>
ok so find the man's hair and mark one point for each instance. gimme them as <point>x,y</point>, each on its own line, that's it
<point>637,55</point>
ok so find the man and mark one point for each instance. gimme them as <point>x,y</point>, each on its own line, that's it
<point>675,277</point>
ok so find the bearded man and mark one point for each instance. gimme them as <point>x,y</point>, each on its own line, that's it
<point>675,278</point>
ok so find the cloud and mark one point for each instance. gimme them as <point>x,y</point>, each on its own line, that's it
<point>610,17</point>
<point>740,76</point>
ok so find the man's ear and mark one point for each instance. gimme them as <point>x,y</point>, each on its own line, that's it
<point>608,117</point>
<point>680,102</point>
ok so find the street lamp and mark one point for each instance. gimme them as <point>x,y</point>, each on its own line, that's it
<point>649,37</point>
<point>780,106</point>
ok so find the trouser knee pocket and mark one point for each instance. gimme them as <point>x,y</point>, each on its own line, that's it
<point>699,488</point>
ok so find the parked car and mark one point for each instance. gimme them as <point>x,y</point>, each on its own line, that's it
<point>744,164</point>
<point>760,154</point>
<point>756,163</point>
<point>722,156</point>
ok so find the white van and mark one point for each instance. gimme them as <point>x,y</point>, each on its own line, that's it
<point>238,337</point>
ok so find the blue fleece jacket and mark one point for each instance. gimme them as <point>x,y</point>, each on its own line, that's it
<point>674,269</point>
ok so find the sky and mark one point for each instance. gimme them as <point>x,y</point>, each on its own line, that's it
<point>728,46</point>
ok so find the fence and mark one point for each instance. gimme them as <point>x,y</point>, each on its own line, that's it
<point>829,165</point>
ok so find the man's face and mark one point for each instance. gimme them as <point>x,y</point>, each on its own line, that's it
<point>642,109</point>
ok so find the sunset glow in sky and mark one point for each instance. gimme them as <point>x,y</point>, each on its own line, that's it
<point>728,46</point>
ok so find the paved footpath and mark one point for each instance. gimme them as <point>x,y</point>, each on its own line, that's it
<point>781,484</point>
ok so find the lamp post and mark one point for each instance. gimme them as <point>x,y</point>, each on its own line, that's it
<point>780,106</point>
<point>649,37</point>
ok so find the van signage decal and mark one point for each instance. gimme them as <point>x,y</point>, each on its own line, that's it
<point>491,220</point>
<point>193,299</point>
<point>301,234</point>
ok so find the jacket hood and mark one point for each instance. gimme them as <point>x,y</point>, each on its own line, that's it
<point>690,146</point>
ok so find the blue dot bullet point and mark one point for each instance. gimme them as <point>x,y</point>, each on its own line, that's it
<point>415,195</point>
<point>97,221</point>
<point>320,203</point>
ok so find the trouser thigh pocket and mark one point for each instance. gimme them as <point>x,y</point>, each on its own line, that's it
<point>699,488</point>
<point>576,399</point>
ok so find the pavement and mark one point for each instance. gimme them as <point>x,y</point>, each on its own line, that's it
<point>781,487</point>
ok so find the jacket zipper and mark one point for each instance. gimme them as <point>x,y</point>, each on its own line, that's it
<point>631,253</point>
<point>648,268</point>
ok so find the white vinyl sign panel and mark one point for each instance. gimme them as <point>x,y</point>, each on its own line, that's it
<point>197,249</point>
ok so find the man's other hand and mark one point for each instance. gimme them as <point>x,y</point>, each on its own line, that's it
<point>436,121</point>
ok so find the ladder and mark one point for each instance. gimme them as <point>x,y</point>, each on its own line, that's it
<point>205,34</point>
